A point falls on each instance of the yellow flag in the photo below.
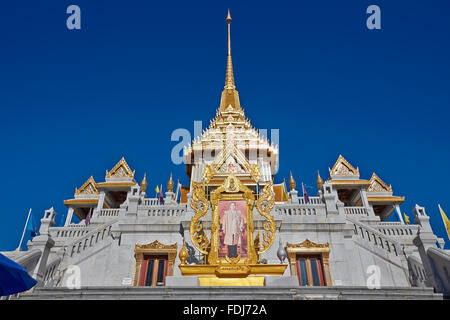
(157, 189)
(446, 221)
(406, 218)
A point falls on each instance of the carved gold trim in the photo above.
(386, 199)
(200, 205)
(360, 182)
(80, 201)
(378, 185)
(89, 187)
(309, 247)
(120, 170)
(343, 168)
(154, 248)
(115, 184)
(265, 203)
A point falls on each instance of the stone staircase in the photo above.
(231, 293)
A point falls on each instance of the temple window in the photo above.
(153, 270)
(154, 262)
(310, 270)
(309, 261)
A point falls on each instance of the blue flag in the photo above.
(31, 231)
(32, 226)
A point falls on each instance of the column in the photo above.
(69, 217)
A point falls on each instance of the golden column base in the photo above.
(239, 275)
(213, 281)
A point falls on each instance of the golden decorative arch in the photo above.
(154, 248)
(232, 189)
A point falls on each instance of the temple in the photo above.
(233, 233)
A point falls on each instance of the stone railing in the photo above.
(150, 202)
(375, 237)
(397, 229)
(357, 211)
(312, 200)
(416, 272)
(71, 231)
(109, 213)
(51, 272)
(298, 209)
(166, 210)
(90, 239)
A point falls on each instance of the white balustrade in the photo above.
(356, 211)
(375, 237)
(150, 202)
(109, 212)
(166, 211)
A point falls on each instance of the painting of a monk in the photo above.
(233, 229)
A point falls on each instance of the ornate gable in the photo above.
(378, 185)
(155, 245)
(230, 159)
(343, 168)
(88, 188)
(120, 170)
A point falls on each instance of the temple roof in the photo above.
(343, 168)
(378, 185)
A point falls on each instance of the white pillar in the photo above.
(69, 217)
(399, 213)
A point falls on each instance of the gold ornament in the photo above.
(319, 181)
(170, 184)
(144, 183)
(292, 183)
(183, 255)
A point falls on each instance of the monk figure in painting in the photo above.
(233, 225)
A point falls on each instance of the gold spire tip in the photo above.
(228, 19)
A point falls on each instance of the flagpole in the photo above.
(24, 229)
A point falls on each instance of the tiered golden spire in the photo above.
(229, 78)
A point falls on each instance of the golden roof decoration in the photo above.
(319, 181)
(307, 244)
(292, 183)
(144, 183)
(378, 185)
(170, 184)
(343, 168)
(155, 245)
(89, 187)
(120, 170)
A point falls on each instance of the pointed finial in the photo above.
(229, 17)
(170, 184)
(292, 183)
(183, 255)
(319, 181)
(144, 183)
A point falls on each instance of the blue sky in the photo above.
(75, 101)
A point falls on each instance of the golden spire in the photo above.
(229, 78)
(170, 184)
(229, 95)
(319, 181)
(144, 183)
(292, 183)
